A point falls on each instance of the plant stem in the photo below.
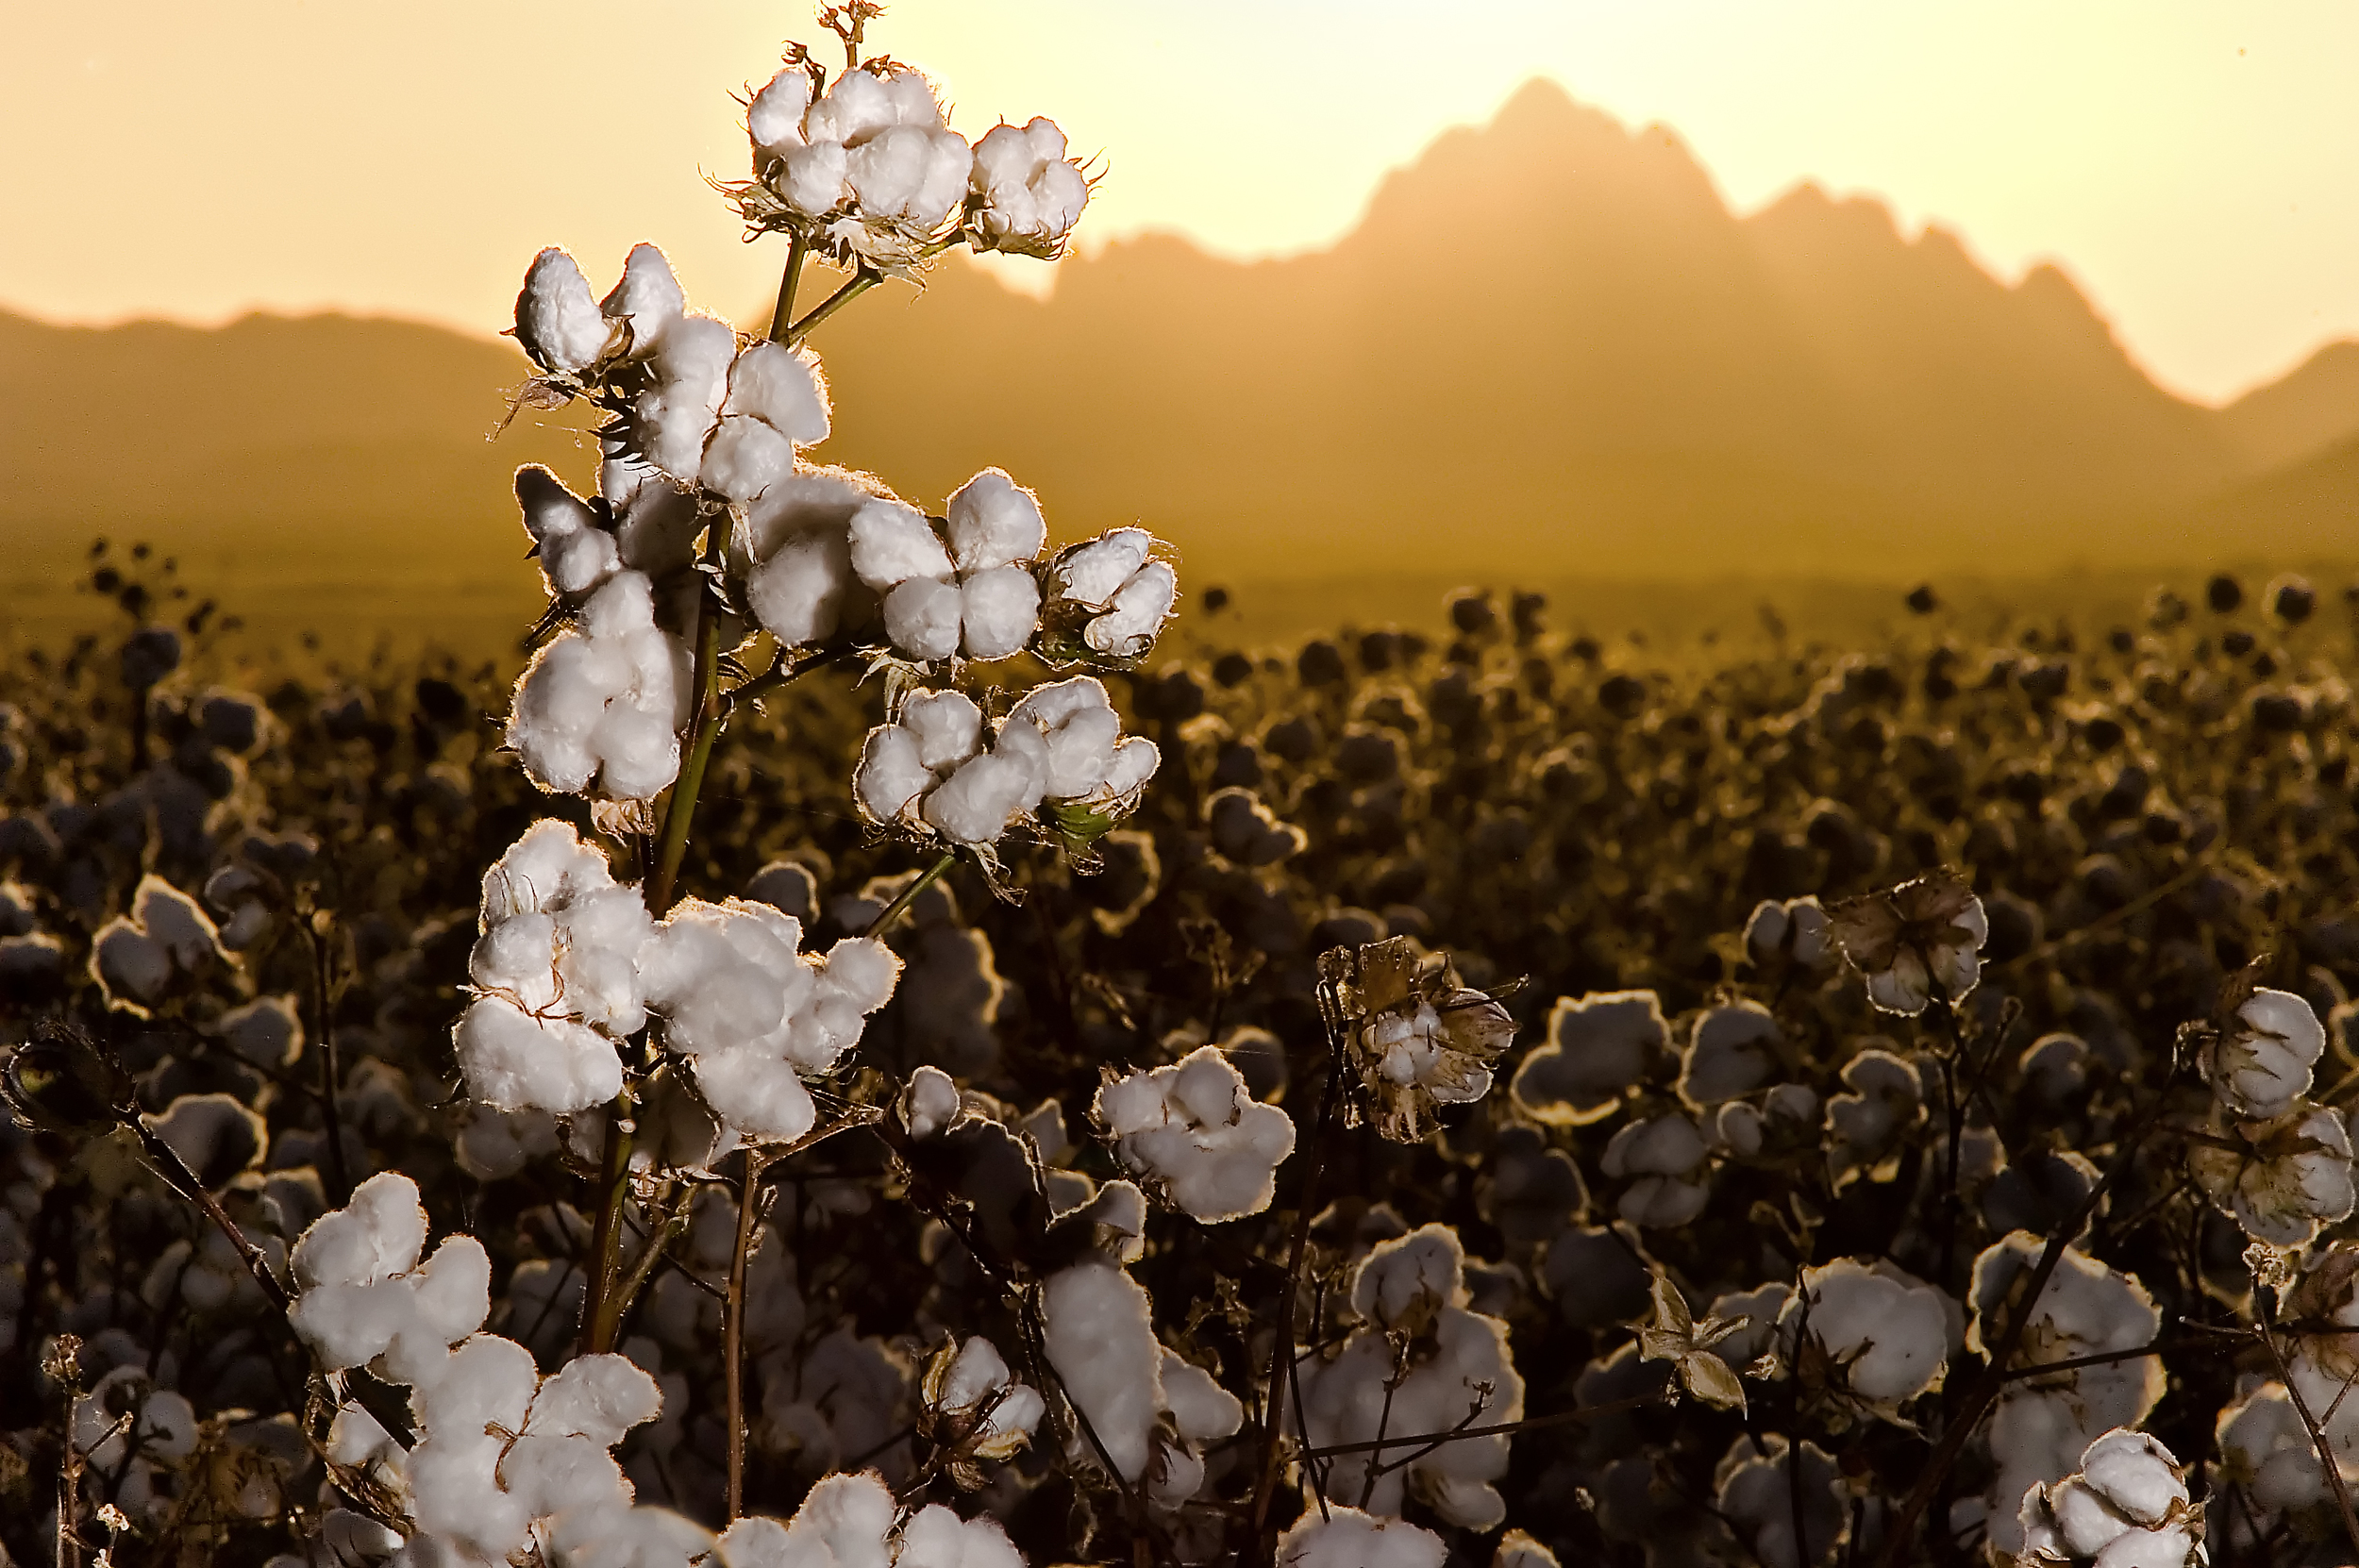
(1281, 1347)
(331, 1075)
(174, 1173)
(599, 1319)
(908, 895)
(734, 1327)
(860, 283)
(704, 729)
(782, 317)
(2309, 1421)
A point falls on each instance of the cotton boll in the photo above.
(947, 726)
(930, 1102)
(993, 521)
(514, 1060)
(1130, 768)
(1090, 574)
(798, 593)
(1136, 613)
(1343, 1537)
(975, 805)
(1101, 1341)
(1081, 726)
(745, 458)
(1598, 1047)
(857, 105)
(376, 1236)
(1760, 1496)
(1201, 1140)
(815, 180)
(1665, 1157)
(892, 543)
(2265, 1448)
(922, 617)
(557, 321)
(891, 776)
(2127, 1505)
(598, 1397)
(773, 121)
(844, 1523)
(648, 301)
(576, 554)
(2264, 1061)
(629, 1538)
(672, 420)
(1033, 195)
(605, 697)
(998, 612)
(783, 388)
(937, 1537)
(1731, 1050)
(1884, 1334)
(214, 1135)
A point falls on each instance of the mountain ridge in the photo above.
(1548, 347)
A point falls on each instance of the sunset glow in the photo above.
(2188, 164)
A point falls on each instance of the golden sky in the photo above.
(2194, 165)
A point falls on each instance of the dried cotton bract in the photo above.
(2286, 1178)
(1419, 1040)
(1197, 1136)
(1921, 935)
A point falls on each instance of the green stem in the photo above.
(908, 895)
(861, 283)
(782, 319)
(706, 729)
(600, 1314)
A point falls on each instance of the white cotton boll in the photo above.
(862, 972)
(1139, 609)
(1410, 1277)
(857, 103)
(922, 618)
(1201, 1410)
(1081, 726)
(941, 187)
(129, 964)
(844, 1523)
(514, 1060)
(1666, 1158)
(215, 1135)
(773, 121)
(1091, 573)
(994, 522)
(1340, 1537)
(1101, 1341)
(647, 300)
(2265, 1448)
(892, 773)
(757, 1095)
(892, 543)
(376, 1236)
(173, 919)
(672, 420)
(629, 1538)
(1134, 764)
(888, 171)
(814, 180)
(797, 594)
(576, 554)
(975, 804)
(1198, 1133)
(745, 458)
(937, 1537)
(1731, 1051)
(557, 320)
(782, 388)
(947, 725)
(929, 1104)
(600, 1397)
(2263, 1064)
(450, 1295)
(605, 697)
(1886, 1331)
(999, 609)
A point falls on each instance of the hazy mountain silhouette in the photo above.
(1548, 348)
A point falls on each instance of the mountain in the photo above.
(2300, 415)
(1549, 348)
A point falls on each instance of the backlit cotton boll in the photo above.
(776, 400)
(689, 374)
(1666, 1161)
(1109, 597)
(1032, 195)
(928, 774)
(980, 601)
(870, 169)
(557, 320)
(1600, 1047)
(1880, 1336)
(2262, 1062)
(753, 1013)
(605, 699)
(1339, 1536)
(1419, 1039)
(793, 548)
(361, 1293)
(646, 302)
(1193, 1134)
(575, 551)
(2285, 1179)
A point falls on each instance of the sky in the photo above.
(2194, 166)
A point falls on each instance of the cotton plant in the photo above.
(2043, 1423)
(2126, 1503)
(1419, 1360)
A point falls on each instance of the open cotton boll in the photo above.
(1666, 1158)
(922, 617)
(673, 419)
(1135, 614)
(937, 1537)
(813, 179)
(1032, 193)
(2127, 1506)
(892, 543)
(1731, 1051)
(1761, 1497)
(782, 388)
(2265, 1448)
(376, 1236)
(2263, 1062)
(517, 1060)
(978, 803)
(911, 173)
(2293, 1176)
(598, 1397)
(773, 121)
(559, 935)
(929, 1103)
(1197, 1135)
(845, 1522)
(1101, 1337)
(641, 1537)
(575, 553)
(1340, 1537)
(1080, 723)
(998, 612)
(557, 320)
(1599, 1046)
(647, 301)
(215, 1135)
(604, 700)
(1884, 1333)
(993, 521)
(792, 546)
(1091, 574)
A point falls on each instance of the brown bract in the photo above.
(1419, 1039)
